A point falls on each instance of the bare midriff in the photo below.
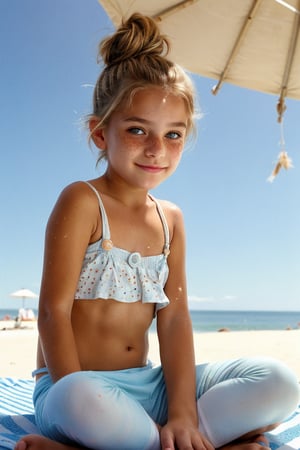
(110, 335)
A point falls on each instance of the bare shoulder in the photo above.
(77, 206)
(172, 211)
(78, 191)
(76, 198)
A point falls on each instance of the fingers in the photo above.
(184, 441)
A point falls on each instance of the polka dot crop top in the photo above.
(109, 272)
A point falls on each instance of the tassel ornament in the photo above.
(283, 161)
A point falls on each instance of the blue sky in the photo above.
(243, 242)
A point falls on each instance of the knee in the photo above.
(280, 387)
(77, 391)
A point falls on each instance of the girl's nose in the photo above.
(154, 147)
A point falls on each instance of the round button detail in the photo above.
(134, 259)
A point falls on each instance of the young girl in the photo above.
(115, 259)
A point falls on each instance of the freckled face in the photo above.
(144, 142)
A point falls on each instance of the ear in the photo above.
(97, 133)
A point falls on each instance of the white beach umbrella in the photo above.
(254, 44)
(23, 294)
(250, 43)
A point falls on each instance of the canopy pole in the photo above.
(281, 107)
(238, 42)
(173, 9)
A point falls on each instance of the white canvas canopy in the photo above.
(250, 43)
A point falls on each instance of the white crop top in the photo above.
(109, 272)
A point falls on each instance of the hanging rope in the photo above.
(281, 107)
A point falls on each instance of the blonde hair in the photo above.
(135, 58)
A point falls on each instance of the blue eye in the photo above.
(136, 130)
(173, 135)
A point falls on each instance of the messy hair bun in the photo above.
(136, 37)
(134, 58)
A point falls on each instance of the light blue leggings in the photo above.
(115, 410)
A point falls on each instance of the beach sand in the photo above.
(18, 347)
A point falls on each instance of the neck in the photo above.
(119, 190)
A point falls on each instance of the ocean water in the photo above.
(244, 320)
(205, 321)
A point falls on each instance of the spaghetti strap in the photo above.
(164, 224)
(105, 225)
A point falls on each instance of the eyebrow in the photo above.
(148, 122)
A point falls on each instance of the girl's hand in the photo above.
(180, 435)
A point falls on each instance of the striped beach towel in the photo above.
(16, 411)
(17, 418)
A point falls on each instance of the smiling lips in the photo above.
(151, 169)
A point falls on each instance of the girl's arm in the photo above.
(177, 352)
(68, 233)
